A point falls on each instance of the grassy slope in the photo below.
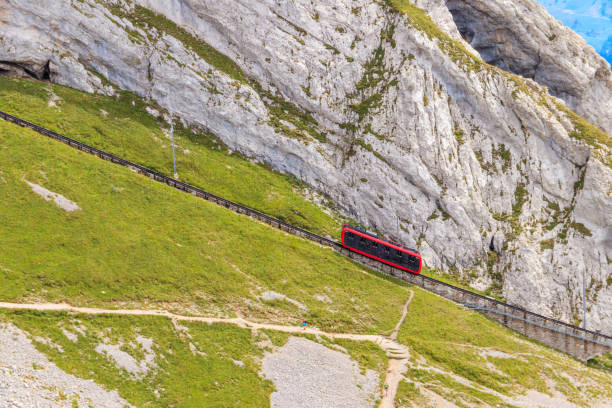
(138, 241)
(130, 132)
(457, 341)
(603, 362)
(207, 376)
(133, 134)
(122, 247)
(183, 378)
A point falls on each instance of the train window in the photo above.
(412, 262)
(406, 261)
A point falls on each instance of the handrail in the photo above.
(271, 220)
(487, 309)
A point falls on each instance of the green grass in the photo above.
(281, 111)
(136, 240)
(374, 73)
(367, 354)
(454, 339)
(182, 378)
(128, 131)
(408, 396)
(419, 19)
(145, 18)
(603, 362)
(547, 244)
(462, 395)
(208, 377)
(369, 148)
(581, 228)
(583, 130)
(433, 328)
(460, 283)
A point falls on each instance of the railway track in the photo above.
(582, 344)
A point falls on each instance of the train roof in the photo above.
(380, 238)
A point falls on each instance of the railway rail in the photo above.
(576, 341)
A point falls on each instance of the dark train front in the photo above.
(372, 246)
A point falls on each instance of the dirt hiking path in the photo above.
(398, 353)
(398, 361)
(401, 320)
(238, 321)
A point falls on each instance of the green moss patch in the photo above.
(419, 19)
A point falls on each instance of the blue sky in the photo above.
(592, 19)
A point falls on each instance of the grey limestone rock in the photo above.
(521, 37)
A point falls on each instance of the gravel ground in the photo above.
(310, 375)
(271, 295)
(59, 199)
(29, 380)
(126, 361)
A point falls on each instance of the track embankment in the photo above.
(578, 342)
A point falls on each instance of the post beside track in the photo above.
(576, 341)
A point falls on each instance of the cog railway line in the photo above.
(578, 342)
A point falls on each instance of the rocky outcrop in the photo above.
(521, 37)
(391, 116)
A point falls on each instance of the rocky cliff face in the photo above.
(391, 114)
(521, 37)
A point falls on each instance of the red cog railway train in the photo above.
(372, 246)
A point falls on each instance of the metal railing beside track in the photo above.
(486, 309)
(444, 289)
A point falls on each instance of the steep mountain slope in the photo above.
(113, 252)
(592, 19)
(131, 128)
(398, 122)
(521, 37)
(136, 242)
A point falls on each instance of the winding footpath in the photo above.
(398, 353)
(398, 360)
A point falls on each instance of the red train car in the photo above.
(370, 245)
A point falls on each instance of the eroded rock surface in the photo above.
(29, 379)
(521, 37)
(394, 120)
